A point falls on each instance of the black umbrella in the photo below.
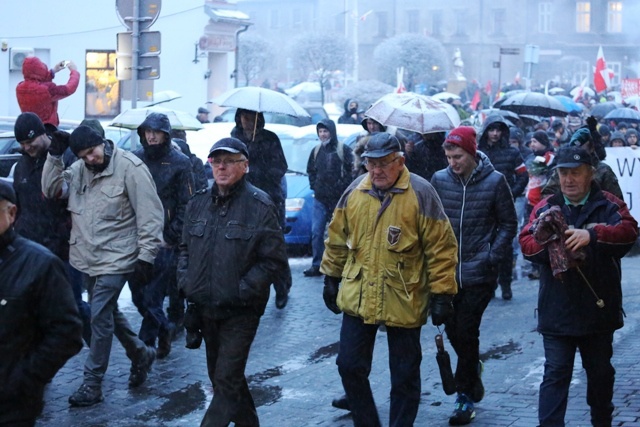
(623, 115)
(604, 108)
(505, 96)
(444, 365)
(534, 104)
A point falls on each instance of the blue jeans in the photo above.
(321, 216)
(149, 298)
(107, 321)
(559, 352)
(354, 364)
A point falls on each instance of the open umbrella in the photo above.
(535, 104)
(261, 100)
(602, 109)
(417, 113)
(623, 115)
(556, 91)
(506, 96)
(569, 103)
(133, 118)
(585, 91)
(444, 96)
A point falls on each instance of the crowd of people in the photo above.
(416, 225)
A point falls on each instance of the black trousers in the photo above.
(228, 342)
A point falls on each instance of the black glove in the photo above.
(441, 308)
(59, 142)
(330, 293)
(143, 272)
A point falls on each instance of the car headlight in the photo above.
(294, 205)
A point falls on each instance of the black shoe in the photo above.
(312, 271)
(193, 339)
(164, 341)
(341, 403)
(477, 392)
(506, 292)
(140, 368)
(86, 395)
(281, 301)
(463, 411)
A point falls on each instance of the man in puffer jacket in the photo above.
(494, 142)
(38, 94)
(171, 172)
(478, 203)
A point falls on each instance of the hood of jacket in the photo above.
(349, 101)
(259, 125)
(34, 69)
(184, 147)
(329, 124)
(504, 127)
(155, 121)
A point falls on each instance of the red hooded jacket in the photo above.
(38, 94)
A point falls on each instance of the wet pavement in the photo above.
(293, 376)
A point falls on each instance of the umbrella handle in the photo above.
(255, 126)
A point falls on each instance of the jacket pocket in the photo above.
(350, 293)
(111, 202)
(196, 228)
(236, 230)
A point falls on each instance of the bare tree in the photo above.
(319, 55)
(424, 60)
(254, 56)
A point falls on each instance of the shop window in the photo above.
(102, 88)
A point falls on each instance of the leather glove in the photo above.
(441, 308)
(330, 293)
(59, 143)
(143, 272)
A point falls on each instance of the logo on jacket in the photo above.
(393, 235)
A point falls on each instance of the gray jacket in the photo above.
(117, 216)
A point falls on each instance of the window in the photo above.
(461, 22)
(413, 21)
(102, 88)
(382, 24)
(275, 20)
(616, 67)
(296, 21)
(544, 17)
(614, 17)
(499, 21)
(583, 16)
(436, 23)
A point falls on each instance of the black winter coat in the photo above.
(329, 176)
(40, 328)
(483, 218)
(568, 307)
(267, 164)
(45, 221)
(200, 177)
(232, 250)
(505, 159)
(171, 172)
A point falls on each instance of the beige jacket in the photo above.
(117, 216)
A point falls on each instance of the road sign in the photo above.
(148, 43)
(148, 67)
(509, 51)
(148, 12)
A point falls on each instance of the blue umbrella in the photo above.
(570, 104)
(623, 115)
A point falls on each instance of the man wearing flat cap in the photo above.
(40, 328)
(477, 200)
(389, 258)
(232, 249)
(117, 220)
(203, 115)
(578, 236)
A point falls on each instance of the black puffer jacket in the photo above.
(232, 250)
(200, 178)
(483, 217)
(45, 221)
(329, 176)
(40, 328)
(267, 164)
(171, 172)
(505, 159)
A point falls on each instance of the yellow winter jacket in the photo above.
(391, 254)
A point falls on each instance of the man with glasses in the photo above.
(232, 249)
(390, 256)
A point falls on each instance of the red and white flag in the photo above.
(580, 90)
(400, 80)
(602, 75)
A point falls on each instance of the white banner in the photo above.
(625, 162)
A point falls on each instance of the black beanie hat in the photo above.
(95, 125)
(84, 137)
(542, 137)
(28, 126)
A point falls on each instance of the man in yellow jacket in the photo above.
(390, 256)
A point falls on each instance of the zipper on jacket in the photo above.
(464, 199)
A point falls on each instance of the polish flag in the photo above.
(601, 76)
(580, 91)
(400, 80)
(516, 79)
(475, 100)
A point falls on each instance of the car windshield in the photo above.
(8, 144)
(297, 152)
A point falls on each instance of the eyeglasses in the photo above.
(371, 165)
(226, 162)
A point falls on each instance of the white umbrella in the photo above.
(133, 118)
(444, 96)
(585, 90)
(261, 100)
(556, 90)
(164, 96)
(417, 113)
